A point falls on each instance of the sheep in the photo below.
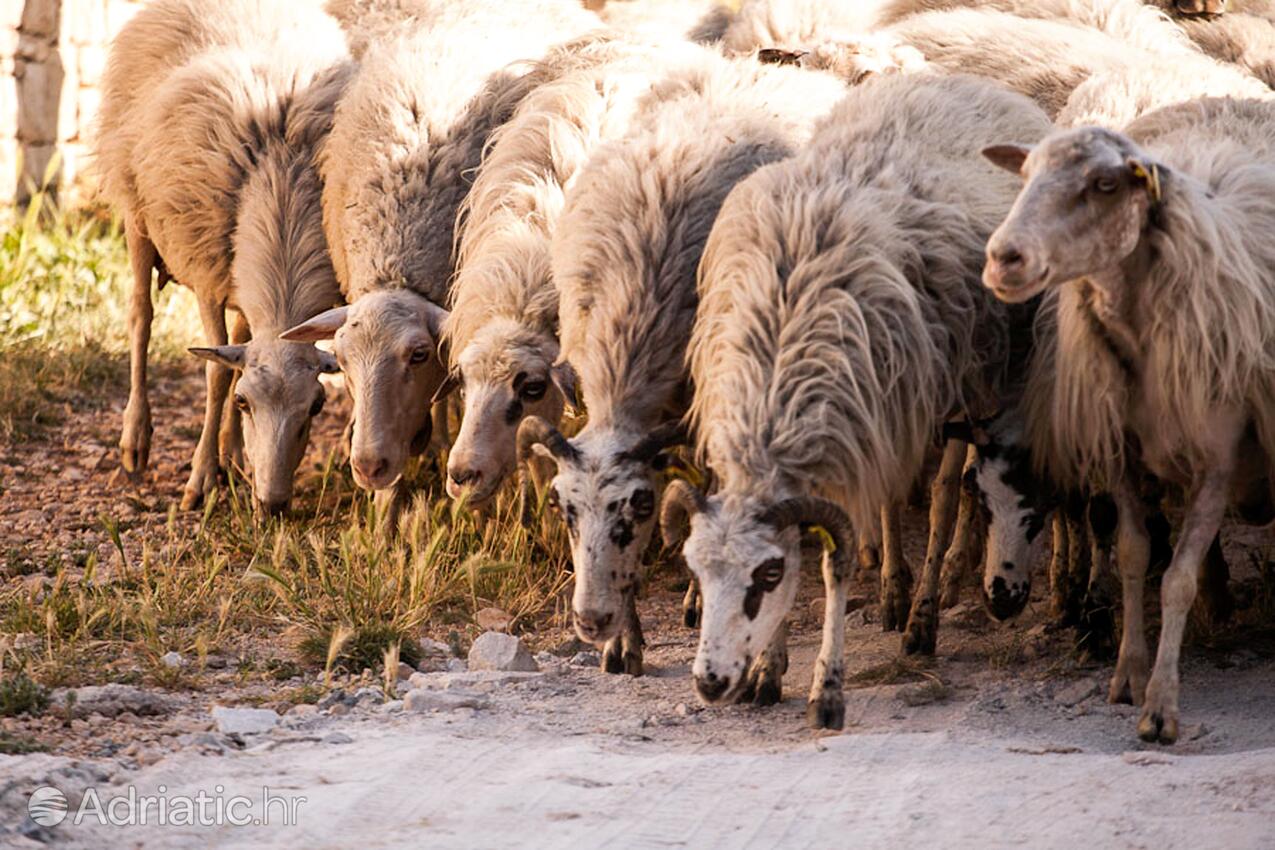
(624, 257)
(840, 323)
(699, 21)
(1154, 243)
(1043, 59)
(502, 332)
(205, 143)
(367, 22)
(405, 141)
(1247, 40)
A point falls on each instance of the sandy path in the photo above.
(575, 758)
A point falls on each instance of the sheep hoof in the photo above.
(690, 618)
(921, 635)
(1157, 727)
(613, 657)
(827, 711)
(692, 607)
(135, 443)
(769, 691)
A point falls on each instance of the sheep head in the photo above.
(1089, 196)
(278, 394)
(507, 373)
(386, 343)
(605, 490)
(745, 552)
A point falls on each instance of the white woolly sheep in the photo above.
(208, 128)
(624, 258)
(502, 333)
(841, 322)
(1156, 244)
(406, 139)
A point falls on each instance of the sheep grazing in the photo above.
(207, 134)
(1156, 246)
(841, 322)
(625, 254)
(405, 142)
(502, 333)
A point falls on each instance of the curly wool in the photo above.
(842, 315)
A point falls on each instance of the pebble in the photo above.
(339, 709)
(404, 671)
(496, 651)
(431, 647)
(172, 660)
(113, 700)
(585, 659)
(456, 665)
(337, 738)
(303, 709)
(244, 721)
(426, 700)
(391, 707)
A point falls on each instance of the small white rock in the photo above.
(392, 707)
(244, 721)
(496, 651)
(172, 660)
(404, 671)
(425, 700)
(456, 665)
(337, 738)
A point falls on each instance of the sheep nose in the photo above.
(591, 624)
(1005, 256)
(463, 477)
(370, 468)
(271, 507)
(712, 687)
(1004, 602)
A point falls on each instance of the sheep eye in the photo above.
(420, 354)
(643, 502)
(1105, 185)
(533, 390)
(770, 573)
(241, 402)
(316, 407)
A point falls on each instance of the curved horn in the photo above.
(682, 500)
(536, 431)
(806, 511)
(668, 434)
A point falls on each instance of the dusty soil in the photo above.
(1003, 740)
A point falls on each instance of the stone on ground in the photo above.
(496, 651)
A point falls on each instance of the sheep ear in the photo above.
(435, 316)
(323, 326)
(328, 364)
(1008, 157)
(227, 355)
(564, 378)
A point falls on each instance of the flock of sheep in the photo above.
(811, 239)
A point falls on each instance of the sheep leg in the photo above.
(765, 684)
(826, 708)
(921, 634)
(1058, 565)
(204, 471)
(1215, 590)
(1097, 622)
(1076, 575)
(966, 550)
(623, 653)
(692, 605)
(231, 441)
(1159, 720)
(135, 440)
(896, 578)
(1133, 551)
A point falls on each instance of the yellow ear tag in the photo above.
(829, 545)
(1152, 179)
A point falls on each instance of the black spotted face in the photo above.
(1016, 508)
(748, 575)
(608, 505)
